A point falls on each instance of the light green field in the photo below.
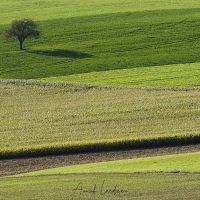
(141, 186)
(56, 9)
(188, 162)
(111, 180)
(170, 75)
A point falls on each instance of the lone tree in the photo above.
(22, 29)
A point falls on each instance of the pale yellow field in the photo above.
(33, 114)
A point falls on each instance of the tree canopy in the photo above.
(22, 29)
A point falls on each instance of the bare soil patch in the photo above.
(21, 165)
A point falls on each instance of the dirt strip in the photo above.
(16, 166)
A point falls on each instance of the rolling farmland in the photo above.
(104, 75)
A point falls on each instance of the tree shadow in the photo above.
(61, 53)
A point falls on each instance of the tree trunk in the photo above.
(21, 44)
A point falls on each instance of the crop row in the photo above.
(107, 145)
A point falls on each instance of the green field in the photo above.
(169, 163)
(168, 75)
(111, 180)
(112, 35)
(129, 186)
(56, 9)
(105, 75)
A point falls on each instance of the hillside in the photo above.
(101, 100)
(105, 36)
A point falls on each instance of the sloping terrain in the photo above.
(21, 165)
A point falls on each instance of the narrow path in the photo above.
(16, 166)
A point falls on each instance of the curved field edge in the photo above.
(107, 145)
(38, 10)
(168, 75)
(184, 163)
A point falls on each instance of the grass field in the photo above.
(169, 163)
(81, 186)
(113, 35)
(111, 180)
(54, 9)
(168, 75)
(151, 46)
(43, 10)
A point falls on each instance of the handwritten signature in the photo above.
(80, 190)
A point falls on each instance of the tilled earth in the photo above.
(21, 165)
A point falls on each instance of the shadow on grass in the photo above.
(62, 53)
